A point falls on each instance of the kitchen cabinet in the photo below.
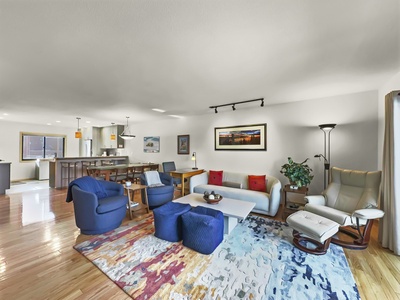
(107, 142)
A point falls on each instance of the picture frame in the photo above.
(151, 144)
(183, 144)
(241, 138)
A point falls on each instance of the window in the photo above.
(34, 146)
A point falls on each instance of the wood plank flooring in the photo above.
(37, 261)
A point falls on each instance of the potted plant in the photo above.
(299, 174)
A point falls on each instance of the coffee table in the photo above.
(233, 210)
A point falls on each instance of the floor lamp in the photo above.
(326, 128)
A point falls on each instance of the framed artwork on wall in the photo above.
(183, 144)
(151, 144)
(241, 137)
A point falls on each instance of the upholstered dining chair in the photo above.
(169, 166)
(351, 200)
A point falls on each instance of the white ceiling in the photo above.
(105, 60)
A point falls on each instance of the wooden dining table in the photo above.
(106, 171)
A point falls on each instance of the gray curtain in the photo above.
(389, 226)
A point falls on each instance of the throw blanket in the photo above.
(153, 178)
(88, 184)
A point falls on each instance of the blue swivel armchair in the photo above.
(159, 195)
(99, 205)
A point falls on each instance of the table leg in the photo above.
(146, 200)
(183, 185)
(129, 204)
(229, 224)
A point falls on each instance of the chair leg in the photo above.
(361, 239)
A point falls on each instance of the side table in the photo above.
(290, 207)
(132, 205)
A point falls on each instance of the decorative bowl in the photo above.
(212, 201)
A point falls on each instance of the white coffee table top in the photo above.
(229, 207)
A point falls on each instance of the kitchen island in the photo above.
(76, 167)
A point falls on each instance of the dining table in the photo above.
(107, 170)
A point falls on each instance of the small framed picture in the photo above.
(151, 144)
(183, 144)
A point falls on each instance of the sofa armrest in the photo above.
(197, 180)
(275, 197)
(368, 213)
(315, 199)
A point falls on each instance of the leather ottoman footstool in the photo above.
(309, 227)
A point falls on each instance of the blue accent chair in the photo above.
(168, 222)
(99, 205)
(159, 195)
(202, 229)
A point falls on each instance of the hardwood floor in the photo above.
(37, 261)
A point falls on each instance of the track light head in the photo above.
(233, 107)
(215, 110)
(262, 103)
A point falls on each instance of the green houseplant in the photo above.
(299, 174)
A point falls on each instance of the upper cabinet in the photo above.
(110, 137)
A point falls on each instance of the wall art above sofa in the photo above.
(241, 137)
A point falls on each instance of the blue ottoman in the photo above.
(167, 221)
(203, 229)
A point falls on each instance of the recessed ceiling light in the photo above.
(87, 122)
(158, 110)
(5, 114)
(58, 121)
(175, 116)
(48, 123)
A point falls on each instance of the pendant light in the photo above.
(78, 132)
(112, 137)
(126, 134)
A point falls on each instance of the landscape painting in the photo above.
(242, 137)
(151, 144)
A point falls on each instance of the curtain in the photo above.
(389, 226)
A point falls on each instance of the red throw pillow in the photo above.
(257, 183)
(215, 177)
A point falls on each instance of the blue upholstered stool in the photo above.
(167, 221)
(203, 229)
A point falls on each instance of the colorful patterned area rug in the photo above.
(256, 261)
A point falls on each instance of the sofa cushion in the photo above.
(257, 183)
(236, 185)
(215, 177)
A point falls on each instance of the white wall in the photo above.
(10, 145)
(292, 130)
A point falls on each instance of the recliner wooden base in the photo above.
(361, 239)
(321, 248)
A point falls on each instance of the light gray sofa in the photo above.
(235, 186)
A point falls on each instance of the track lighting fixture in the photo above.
(233, 104)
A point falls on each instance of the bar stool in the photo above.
(85, 164)
(68, 166)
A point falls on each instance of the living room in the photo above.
(313, 63)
